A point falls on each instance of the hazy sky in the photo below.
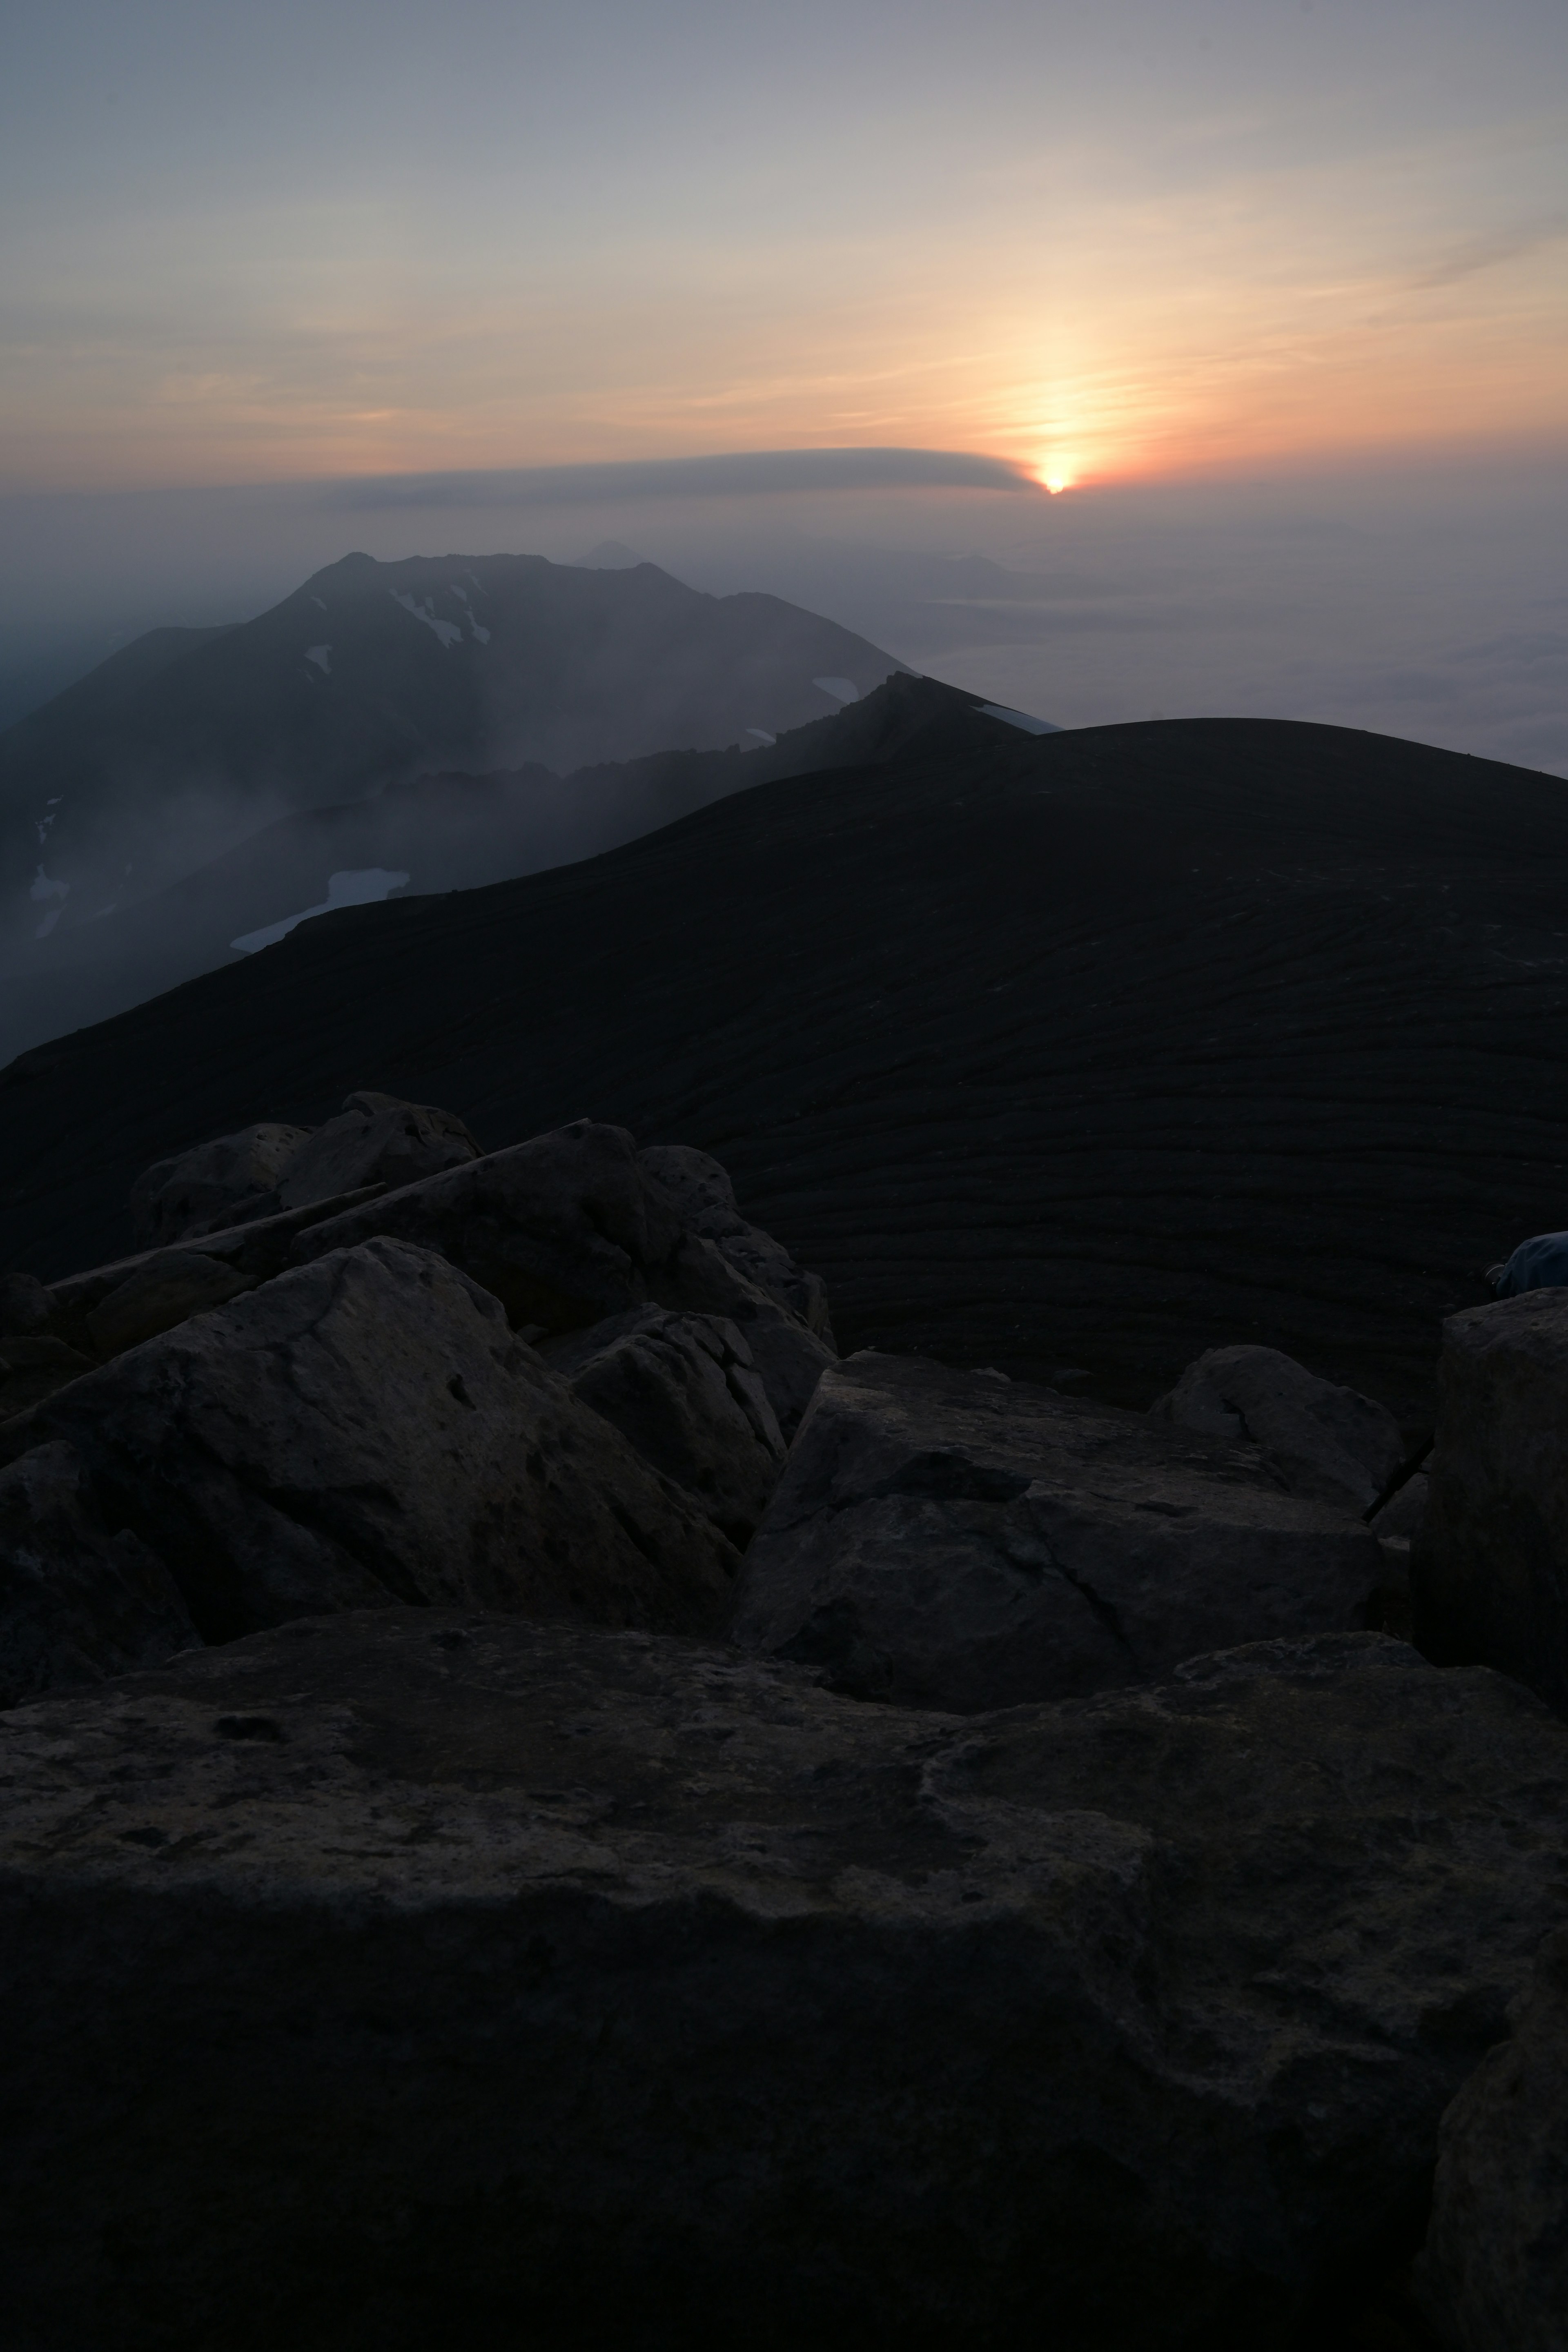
(1105, 239)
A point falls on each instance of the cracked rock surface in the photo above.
(940, 1538)
(420, 1977)
(366, 1430)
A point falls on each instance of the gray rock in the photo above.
(32, 1370)
(790, 1359)
(562, 1229)
(366, 1430)
(422, 1978)
(940, 1539)
(255, 1250)
(77, 1603)
(376, 1139)
(685, 1391)
(705, 1198)
(1490, 1563)
(1494, 2275)
(568, 1229)
(23, 1306)
(1401, 1517)
(1328, 1444)
(163, 1291)
(210, 1184)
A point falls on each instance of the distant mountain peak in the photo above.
(610, 555)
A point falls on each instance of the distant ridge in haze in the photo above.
(371, 674)
(449, 832)
(1091, 1049)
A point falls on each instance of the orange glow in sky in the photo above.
(1108, 242)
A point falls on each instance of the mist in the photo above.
(1417, 603)
(1423, 600)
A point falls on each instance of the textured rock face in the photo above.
(1327, 1443)
(684, 1390)
(1494, 2277)
(569, 1229)
(943, 1539)
(205, 1187)
(154, 1296)
(375, 1139)
(397, 1980)
(367, 1429)
(702, 1192)
(78, 1602)
(562, 1229)
(1489, 1562)
(32, 1370)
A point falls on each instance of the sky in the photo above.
(1105, 240)
(1271, 294)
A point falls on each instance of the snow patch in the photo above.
(43, 889)
(761, 735)
(365, 885)
(1020, 718)
(842, 689)
(481, 634)
(322, 657)
(448, 631)
(48, 925)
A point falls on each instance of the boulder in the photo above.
(1490, 1563)
(685, 1391)
(424, 1977)
(945, 1539)
(375, 1139)
(365, 1429)
(211, 1184)
(569, 1229)
(790, 1359)
(1494, 2275)
(23, 1306)
(1327, 1443)
(563, 1229)
(32, 1370)
(155, 1296)
(702, 1192)
(77, 1603)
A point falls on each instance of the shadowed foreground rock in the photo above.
(1327, 1443)
(955, 1539)
(410, 1978)
(1494, 2277)
(366, 1430)
(77, 1603)
(1489, 1560)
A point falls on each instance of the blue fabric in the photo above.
(1538, 1265)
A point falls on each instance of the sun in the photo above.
(1056, 473)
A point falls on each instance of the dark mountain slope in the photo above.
(443, 833)
(1096, 1049)
(375, 672)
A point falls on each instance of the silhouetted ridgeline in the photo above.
(1087, 1051)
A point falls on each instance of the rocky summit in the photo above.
(424, 1976)
(546, 1806)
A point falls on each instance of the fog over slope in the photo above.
(372, 674)
(433, 834)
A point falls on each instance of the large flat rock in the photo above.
(421, 1978)
(955, 1539)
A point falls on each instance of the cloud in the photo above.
(744, 472)
(1491, 252)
